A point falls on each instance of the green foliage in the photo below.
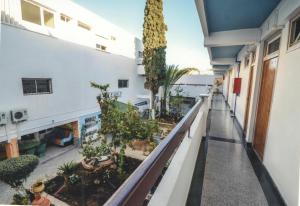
(122, 125)
(155, 44)
(176, 103)
(28, 144)
(89, 150)
(173, 74)
(20, 199)
(121, 161)
(15, 171)
(67, 168)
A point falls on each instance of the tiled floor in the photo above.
(228, 177)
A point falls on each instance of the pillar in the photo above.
(12, 149)
(76, 134)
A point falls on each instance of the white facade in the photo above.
(194, 85)
(68, 56)
(282, 149)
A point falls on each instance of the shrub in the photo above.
(15, 171)
(68, 168)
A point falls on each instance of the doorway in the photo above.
(266, 95)
(248, 100)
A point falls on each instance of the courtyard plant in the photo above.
(15, 171)
(172, 75)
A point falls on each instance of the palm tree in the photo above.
(173, 74)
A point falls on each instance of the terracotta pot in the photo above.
(38, 187)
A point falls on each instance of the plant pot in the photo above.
(38, 187)
(30, 151)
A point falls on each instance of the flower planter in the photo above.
(38, 187)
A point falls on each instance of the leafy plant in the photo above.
(155, 44)
(20, 199)
(67, 168)
(15, 171)
(176, 103)
(173, 74)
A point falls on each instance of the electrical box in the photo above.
(237, 86)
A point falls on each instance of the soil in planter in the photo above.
(91, 193)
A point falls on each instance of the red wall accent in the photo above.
(237, 85)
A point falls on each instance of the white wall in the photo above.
(125, 44)
(194, 85)
(282, 149)
(26, 54)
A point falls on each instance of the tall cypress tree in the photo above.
(155, 44)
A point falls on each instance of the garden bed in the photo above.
(92, 189)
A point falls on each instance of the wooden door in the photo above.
(248, 99)
(264, 105)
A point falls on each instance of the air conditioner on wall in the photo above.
(3, 118)
(19, 115)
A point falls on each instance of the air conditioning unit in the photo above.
(19, 115)
(3, 118)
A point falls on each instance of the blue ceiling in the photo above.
(225, 51)
(223, 15)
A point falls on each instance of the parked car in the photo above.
(61, 136)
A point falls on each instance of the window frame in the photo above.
(101, 47)
(266, 50)
(65, 17)
(43, 10)
(84, 26)
(122, 85)
(36, 86)
(41, 20)
(296, 42)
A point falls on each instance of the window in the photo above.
(273, 46)
(122, 83)
(84, 26)
(101, 47)
(295, 31)
(65, 18)
(30, 12)
(48, 19)
(140, 54)
(37, 86)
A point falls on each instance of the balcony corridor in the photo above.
(224, 173)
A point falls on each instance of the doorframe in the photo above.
(258, 81)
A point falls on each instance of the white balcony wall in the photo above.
(26, 54)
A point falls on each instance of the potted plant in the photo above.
(38, 187)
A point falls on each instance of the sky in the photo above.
(185, 38)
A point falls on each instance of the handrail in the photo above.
(135, 189)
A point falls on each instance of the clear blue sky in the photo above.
(184, 36)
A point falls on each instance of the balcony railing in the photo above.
(182, 145)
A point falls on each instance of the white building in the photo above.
(50, 52)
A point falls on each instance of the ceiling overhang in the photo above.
(230, 25)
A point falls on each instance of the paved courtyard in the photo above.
(47, 168)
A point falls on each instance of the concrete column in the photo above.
(12, 148)
(76, 133)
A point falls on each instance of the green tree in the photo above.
(155, 44)
(173, 74)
